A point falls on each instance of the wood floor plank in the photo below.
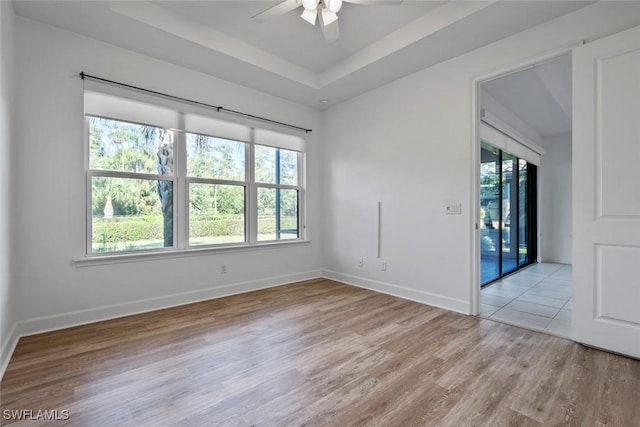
(316, 353)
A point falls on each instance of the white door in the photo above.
(606, 193)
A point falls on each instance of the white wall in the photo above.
(514, 126)
(555, 208)
(7, 132)
(408, 144)
(48, 172)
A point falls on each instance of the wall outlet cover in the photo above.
(453, 209)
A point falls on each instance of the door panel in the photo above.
(606, 193)
(617, 114)
(616, 297)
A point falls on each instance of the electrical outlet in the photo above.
(360, 262)
(223, 268)
(383, 266)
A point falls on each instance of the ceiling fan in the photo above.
(325, 11)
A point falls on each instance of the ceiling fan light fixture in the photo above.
(333, 5)
(310, 16)
(328, 17)
(310, 4)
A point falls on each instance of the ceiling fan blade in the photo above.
(330, 32)
(375, 2)
(277, 10)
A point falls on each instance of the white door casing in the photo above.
(606, 193)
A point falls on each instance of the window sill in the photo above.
(92, 260)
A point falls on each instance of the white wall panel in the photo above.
(408, 145)
(555, 207)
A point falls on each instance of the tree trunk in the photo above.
(165, 188)
(165, 191)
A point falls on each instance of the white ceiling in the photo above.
(540, 96)
(295, 40)
(288, 57)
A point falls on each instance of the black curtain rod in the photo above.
(215, 107)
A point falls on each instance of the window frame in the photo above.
(91, 173)
(181, 182)
(213, 181)
(276, 186)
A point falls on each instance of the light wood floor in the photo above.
(317, 353)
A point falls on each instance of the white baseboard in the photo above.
(81, 317)
(8, 346)
(448, 303)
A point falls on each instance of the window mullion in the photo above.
(213, 181)
(181, 189)
(130, 175)
(89, 215)
(88, 241)
(280, 186)
(302, 226)
(277, 195)
(251, 202)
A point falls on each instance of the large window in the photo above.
(182, 180)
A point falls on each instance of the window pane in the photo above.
(128, 147)
(265, 164)
(288, 167)
(523, 212)
(276, 165)
(216, 214)
(131, 214)
(215, 158)
(489, 214)
(509, 220)
(277, 214)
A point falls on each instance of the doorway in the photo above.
(524, 197)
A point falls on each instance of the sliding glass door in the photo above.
(507, 213)
(508, 221)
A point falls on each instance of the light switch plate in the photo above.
(453, 209)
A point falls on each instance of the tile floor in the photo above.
(538, 298)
